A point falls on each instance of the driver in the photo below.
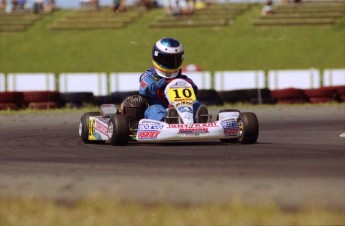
(167, 58)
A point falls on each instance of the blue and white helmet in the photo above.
(167, 57)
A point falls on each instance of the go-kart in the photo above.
(127, 124)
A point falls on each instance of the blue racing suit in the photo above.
(150, 87)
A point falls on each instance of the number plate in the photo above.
(181, 94)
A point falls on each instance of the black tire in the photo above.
(229, 140)
(288, 93)
(243, 95)
(12, 97)
(209, 97)
(264, 100)
(234, 96)
(118, 97)
(42, 96)
(249, 125)
(9, 106)
(78, 99)
(99, 100)
(118, 130)
(84, 126)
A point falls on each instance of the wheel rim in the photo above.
(240, 126)
(110, 130)
(80, 128)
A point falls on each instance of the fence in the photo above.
(232, 80)
(303, 79)
(103, 84)
(83, 82)
(333, 77)
(31, 81)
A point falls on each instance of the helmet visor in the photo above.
(169, 61)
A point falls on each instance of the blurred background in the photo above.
(236, 51)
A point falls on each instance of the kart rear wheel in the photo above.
(84, 126)
(118, 130)
(229, 140)
(249, 127)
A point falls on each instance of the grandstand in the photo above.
(18, 21)
(241, 46)
(308, 13)
(101, 19)
(210, 16)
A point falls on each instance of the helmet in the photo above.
(167, 57)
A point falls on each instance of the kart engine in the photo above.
(133, 107)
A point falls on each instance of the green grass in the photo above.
(111, 212)
(241, 46)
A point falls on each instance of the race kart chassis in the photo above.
(118, 128)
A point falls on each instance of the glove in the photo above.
(161, 84)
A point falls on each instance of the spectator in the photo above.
(50, 5)
(21, 4)
(148, 4)
(38, 6)
(200, 4)
(3, 5)
(95, 4)
(210, 2)
(116, 5)
(85, 4)
(119, 6)
(267, 9)
(180, 7)
(14, 4)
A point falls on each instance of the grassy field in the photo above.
(100, 211)
(240, 46)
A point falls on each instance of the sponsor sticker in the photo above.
(196, 125)
(150, 127)
(179, 84)
(184, 103)
(194, 131)
(230, 132)
(101, 128)
(181, 94)
(229, 124)
(148, 135)
(143, 84)
(185, 109)
(92, 128)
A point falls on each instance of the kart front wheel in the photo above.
(118, 130)
(249, 127)
(84, 126)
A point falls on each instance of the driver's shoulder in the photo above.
(150, 75)
(182, 76)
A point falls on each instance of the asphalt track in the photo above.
(299, 160)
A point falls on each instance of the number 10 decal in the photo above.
(181, 94)
(185, 93)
